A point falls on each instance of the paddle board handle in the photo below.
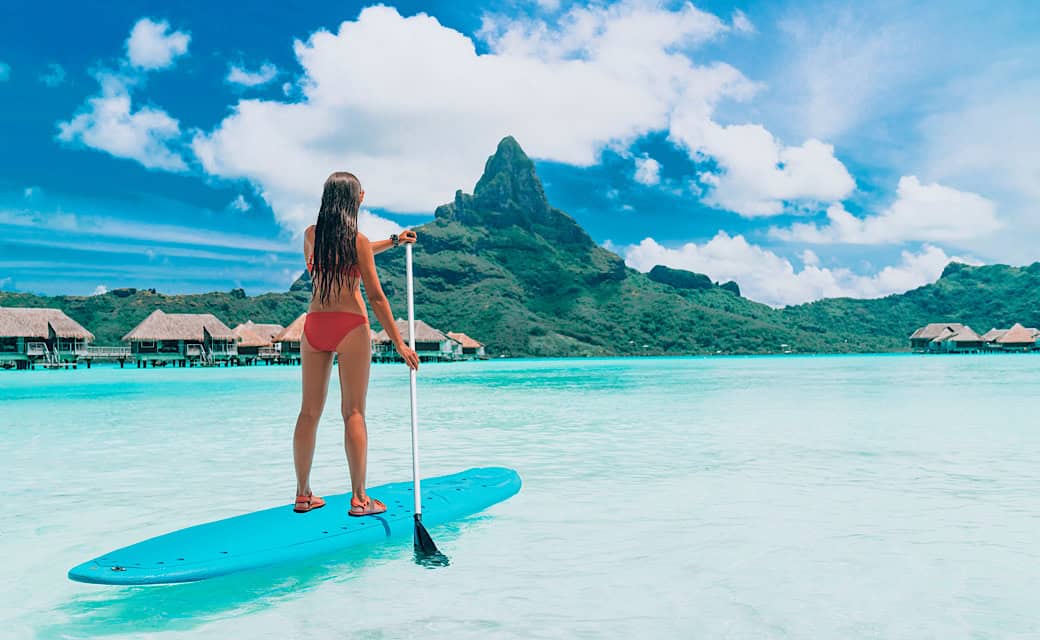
(411, 377)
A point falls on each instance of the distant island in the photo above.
(504, 265)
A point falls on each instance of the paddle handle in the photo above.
(411, 377)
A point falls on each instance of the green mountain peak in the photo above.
(509, 193)
(509, 182)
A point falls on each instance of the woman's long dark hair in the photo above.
(335, 236)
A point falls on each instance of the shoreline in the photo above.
(727, 356)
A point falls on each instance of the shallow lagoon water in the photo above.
(768, 497)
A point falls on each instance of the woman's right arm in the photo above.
(379, 302)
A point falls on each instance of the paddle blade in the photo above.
(426, 553)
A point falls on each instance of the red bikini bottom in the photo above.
(326, 329)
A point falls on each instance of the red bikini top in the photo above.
(354, 269)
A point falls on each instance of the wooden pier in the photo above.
(106, 354)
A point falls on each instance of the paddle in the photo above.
(426, 552)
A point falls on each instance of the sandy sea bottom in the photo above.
(776, 497)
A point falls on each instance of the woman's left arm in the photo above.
(405, 237)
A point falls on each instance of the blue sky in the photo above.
(804, 149)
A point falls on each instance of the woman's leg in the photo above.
(317, 367)
(355, 359)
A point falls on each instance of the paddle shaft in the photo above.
(411, 375)
(426, 552)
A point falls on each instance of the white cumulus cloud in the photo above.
(921, 212)
(767, 277)
(376, 227)
(757, 173)
(108, 122)
(241, 76)
(100, 290)
(152, 45)
(648, 171)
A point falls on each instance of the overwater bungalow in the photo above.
(470, 347)
(288, 340)
(40, 335)
(430, 344)
(256, 341)
(924, 339)
(1019, 338)
(990, 337)
(181, 338)
(264, 330)
(963, 341)
(251, 343)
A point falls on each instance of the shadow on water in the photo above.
(182, 607)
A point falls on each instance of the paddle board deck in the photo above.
(277, 535)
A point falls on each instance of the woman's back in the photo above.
(344, 295)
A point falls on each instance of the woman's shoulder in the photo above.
(309, 231)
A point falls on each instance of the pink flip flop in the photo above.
(306, 503)
(369, 507)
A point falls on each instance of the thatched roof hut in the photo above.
(934, 330)
(993, 335)
(248, 337)
(292, 333)
(179, 326)
(25, 322)
(264, 330)
(1018, 336)
(466, 341)
(966, 336)
(423, 332)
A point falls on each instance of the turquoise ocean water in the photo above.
(773, 497)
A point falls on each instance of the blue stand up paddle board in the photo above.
(277, 535)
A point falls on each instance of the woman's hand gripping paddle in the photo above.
(426, 552)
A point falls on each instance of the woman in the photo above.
(338, 256)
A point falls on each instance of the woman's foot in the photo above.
(305, 503)
(368, 506)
